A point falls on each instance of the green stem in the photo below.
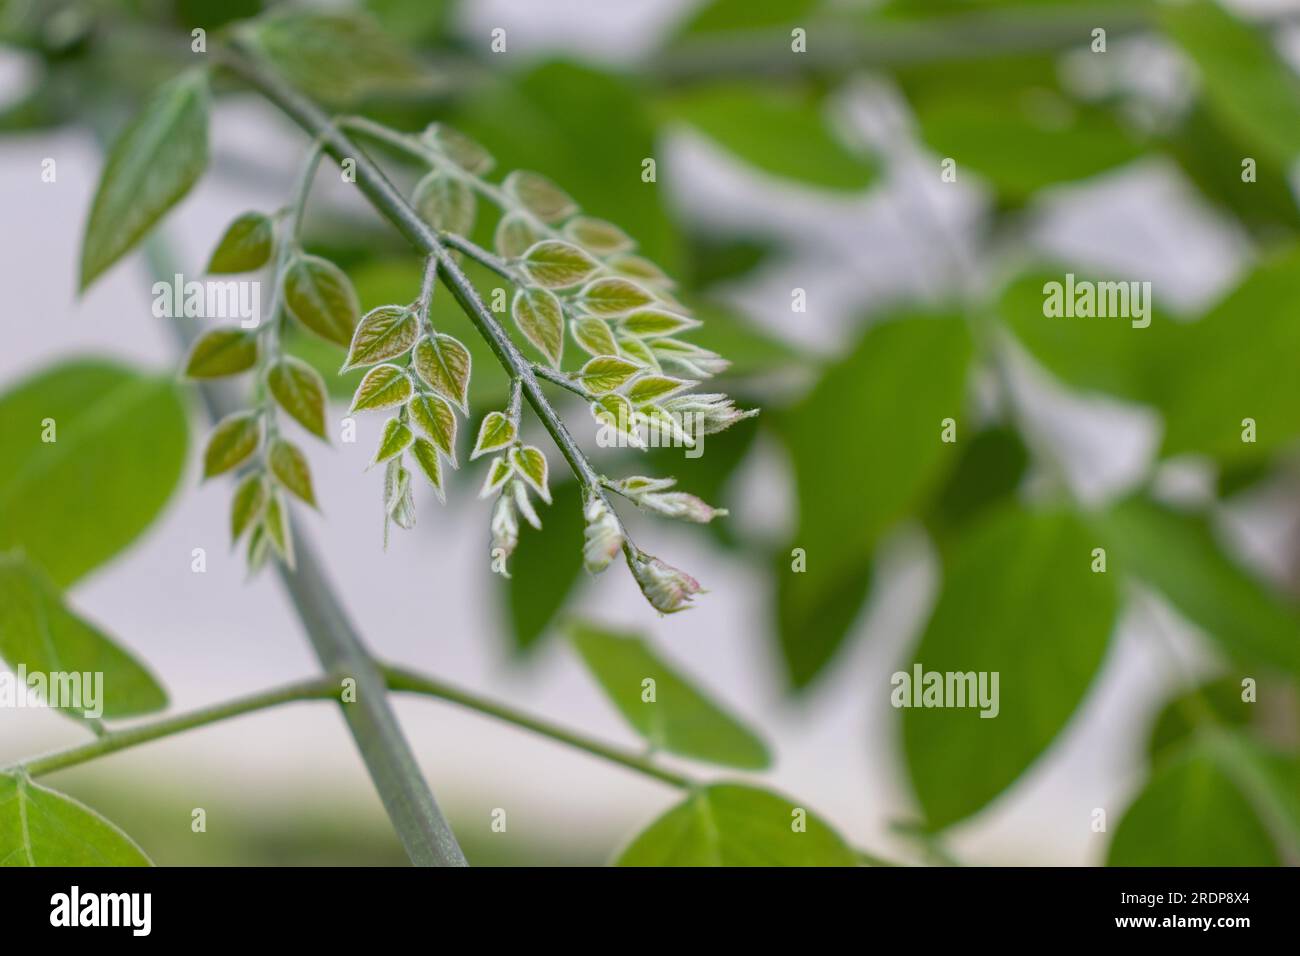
(400, 679)
(559, 378)
(320, 688)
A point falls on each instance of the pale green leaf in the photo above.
(275, 524)
(459, 148)
(515, 235)
(383, 387)
(495, 432)
(434, 417)
(150, 168)
(247, 504)
(545, 200)
(594, 336)
(446, 202)
(92, 452)
(652, 388)
(731, 824)
(540, 317)
(426, 457)
(231, 443)
(290, 468)
(553, 264)
(604, 373)
(530, 464)
(396, 438)
(41, 827)
(444, 364)
(382, 334)
(654, 323)
(597, 236)
(613, 296)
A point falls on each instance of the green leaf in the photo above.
(743, 16)
(1246, 84)
(426, 456)
(604, 373)
(222, 352)
(1218, 703)
(613, 296)
(300, 391)
(444, 364)
(119, 447)
(435, 418)
(445, 202)
(560, 117)
(496, 431)
(530, 464)
(319, 295)
(246, 506)
(679, 718)
(1018, 599)
(150, 168)
(1180, 556)
(383, 387)
(395, 439)
(553, 264)
(1194, 811)
(863, 461)
(290, 468)
(1233, 364)
(545, 200)
(336, 57)
(246, 245)
(652, 388)
(232, 442)
(654, 323)
(275, 526)
(545, 570)
(383, 333)
(731, 824)
(778, 130)
(40, 633)
(515, 235)
(594, 336)
(990, 469)
(41, 827)
(598, 236)
(540, 317)
(459, 148)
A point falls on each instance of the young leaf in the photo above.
(680, 718)
(604, 373)
(445, 202)
(300, 391)
(654, 323)
(514, 236)
(383, 333)
(231, 443)
(42, 827)
(395, 439)
(530, 463)
(319, 295)
(601, 237)
(246, 505)
(641, 269)
(540, 317)
(40, 633)
(246, 245)
(731, 824)
(637, 351)
(444, 364)
(222, 352)
(276, 525)
(495, 432)
(613, 296)
(497, 473)
(594, 336)
(435, 418)
(653, 388)
(383, 387)
(459, 148)
(289, 466)
(545, 200)
(259, 547)
(615, 411)
(1020, 597)
(426, 456)
(150, 167)
(553, 264)
(131, 427)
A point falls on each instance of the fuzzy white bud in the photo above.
(602, 537)
(668, 589)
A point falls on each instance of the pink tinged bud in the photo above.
(666, 588)
(602, 538)
(679, 504)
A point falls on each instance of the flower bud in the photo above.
(505, 533)
(602, 537)
(679, 504)
(666, 588)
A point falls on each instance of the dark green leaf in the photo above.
(1018, 599)
(544, 570)
(680, 718)
(222, 352)
(299, 390)
(246, 245)
(231, 443)
(319, 295)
